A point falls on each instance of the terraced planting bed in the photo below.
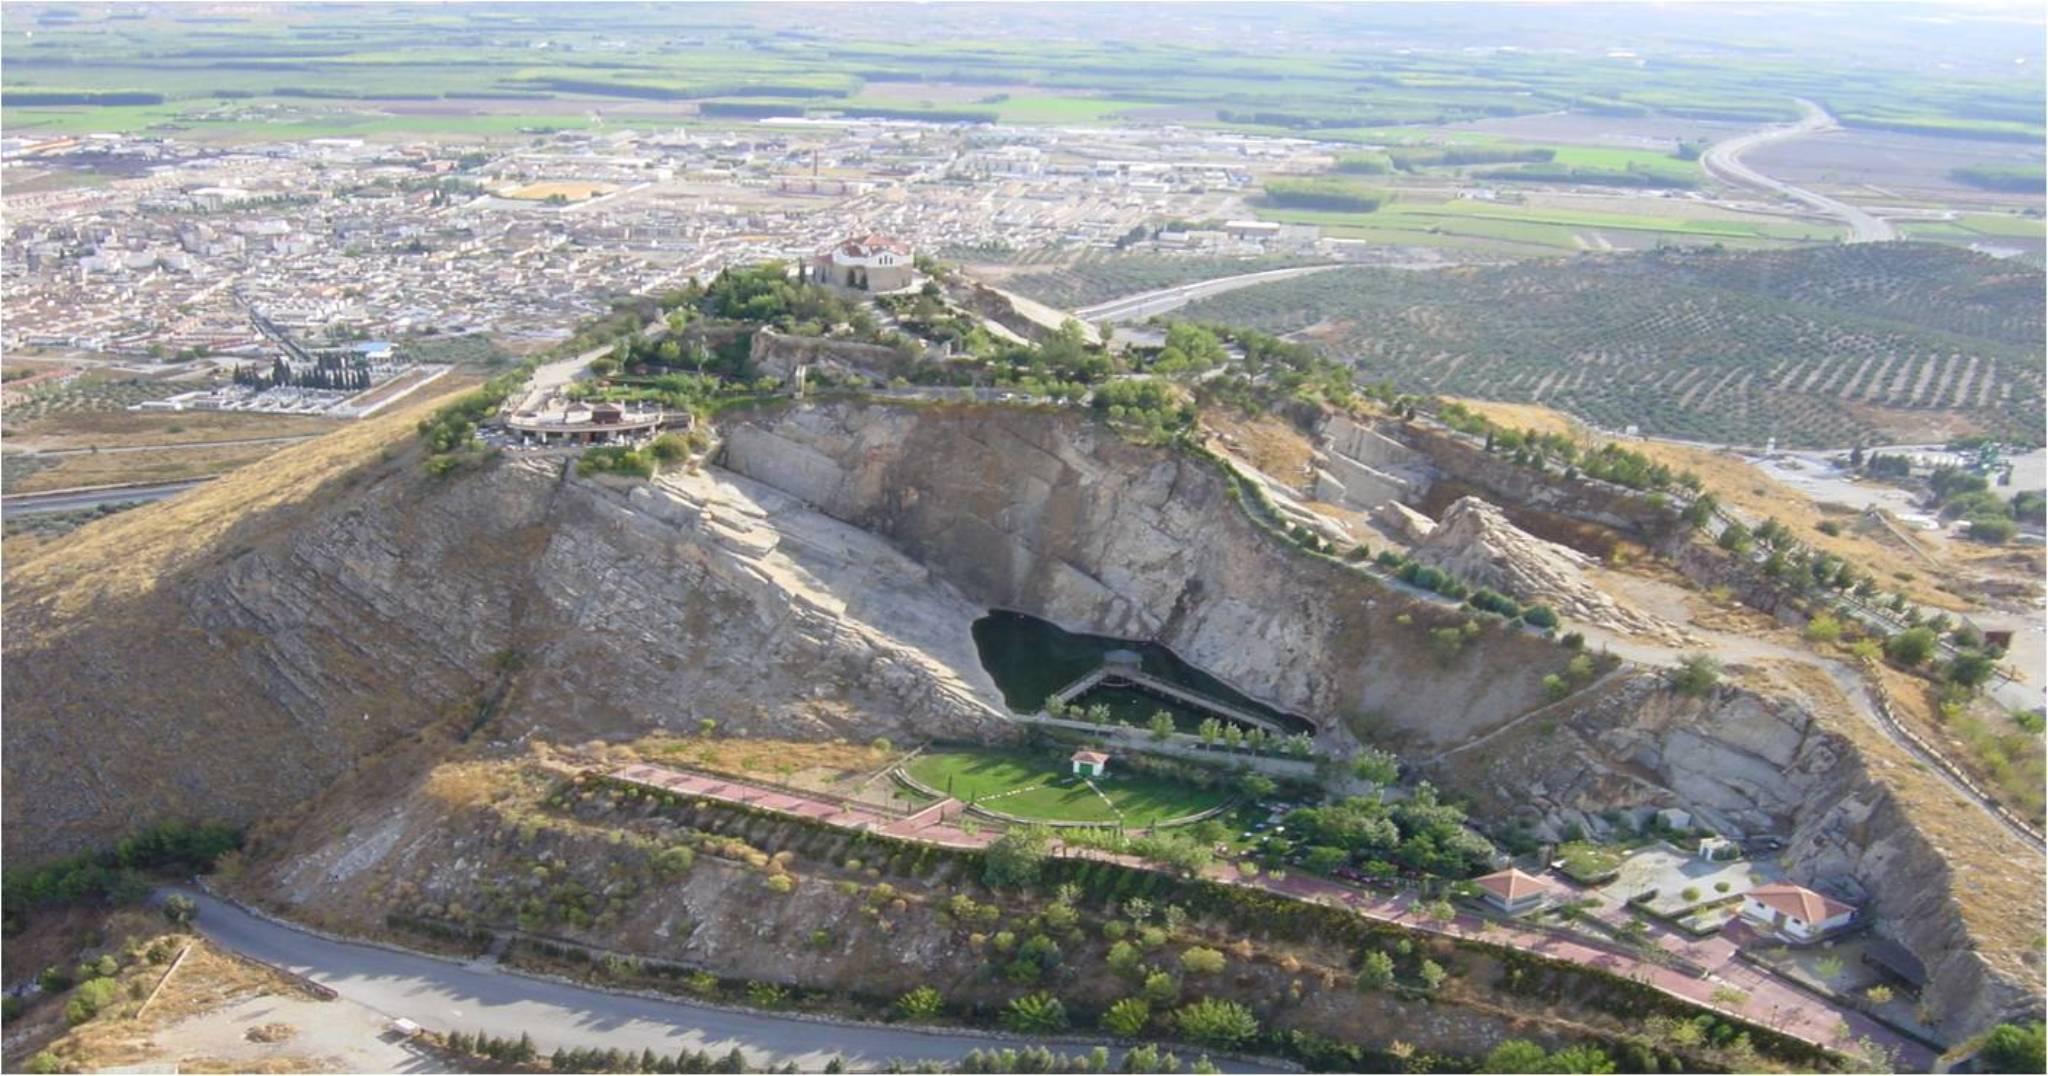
(1041, 788)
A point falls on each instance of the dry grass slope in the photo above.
(129, 554)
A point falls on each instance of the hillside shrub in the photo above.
(1215, 1022)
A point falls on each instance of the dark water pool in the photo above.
(1029, 659)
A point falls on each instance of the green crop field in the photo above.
(1819, 346)
(1042, 788)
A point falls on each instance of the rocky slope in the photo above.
(1475, 542)
(391, 612)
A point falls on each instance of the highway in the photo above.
(1724, 161)
(24, 504)
(445, 995)
(1145, 304)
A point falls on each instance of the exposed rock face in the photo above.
(1399, 519)
(1475, 542)
(246, 683)
(1062, 519)
(1746, 763)
(776, 355)
(1360, 468)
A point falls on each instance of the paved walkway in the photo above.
(1774, 1002)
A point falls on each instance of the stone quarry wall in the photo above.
(1748, 763)
(1058, 517)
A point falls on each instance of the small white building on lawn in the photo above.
(1090, 763)
(1795, 912)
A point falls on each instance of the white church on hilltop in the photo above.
(871, 263)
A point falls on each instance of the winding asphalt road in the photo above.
(23, 504)
(1724, 160)
(1145, 304)
(447, 995)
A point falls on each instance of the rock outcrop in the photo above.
(778, 355)
(1475, 542)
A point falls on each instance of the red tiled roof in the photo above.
(864, 245)
(1090, 756)
(1511, 885)
(1799, 902)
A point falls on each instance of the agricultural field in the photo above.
(1819, 347)
(1890, 166)
(336, 72)
(1532, 227)
(1097, 278)
(86, 394)
(1041, 787)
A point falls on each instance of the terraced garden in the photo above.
(1820, 347)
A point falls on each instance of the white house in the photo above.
(1513, 891)
(1798, 913)
(1090, 763)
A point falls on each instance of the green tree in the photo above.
(1040, 1013)
(1515, 1055)
(1161, 988)
(1127, 1018)
(1161, 726)
(1432, 974)
(1970, 668)
(1376, 971)
(1225, 1025)
(1202, 961)
(1697, 674)
(91, 996)
(922, 1003)
(1910, 648)
(2015, 1048)
(1016, 857)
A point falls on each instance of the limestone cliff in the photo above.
(1052, 515)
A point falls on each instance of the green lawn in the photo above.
(1052, 793)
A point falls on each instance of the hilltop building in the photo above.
(871, 263)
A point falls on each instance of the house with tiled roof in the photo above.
(1794, 911)
(1513, 891)
(1090, 763)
